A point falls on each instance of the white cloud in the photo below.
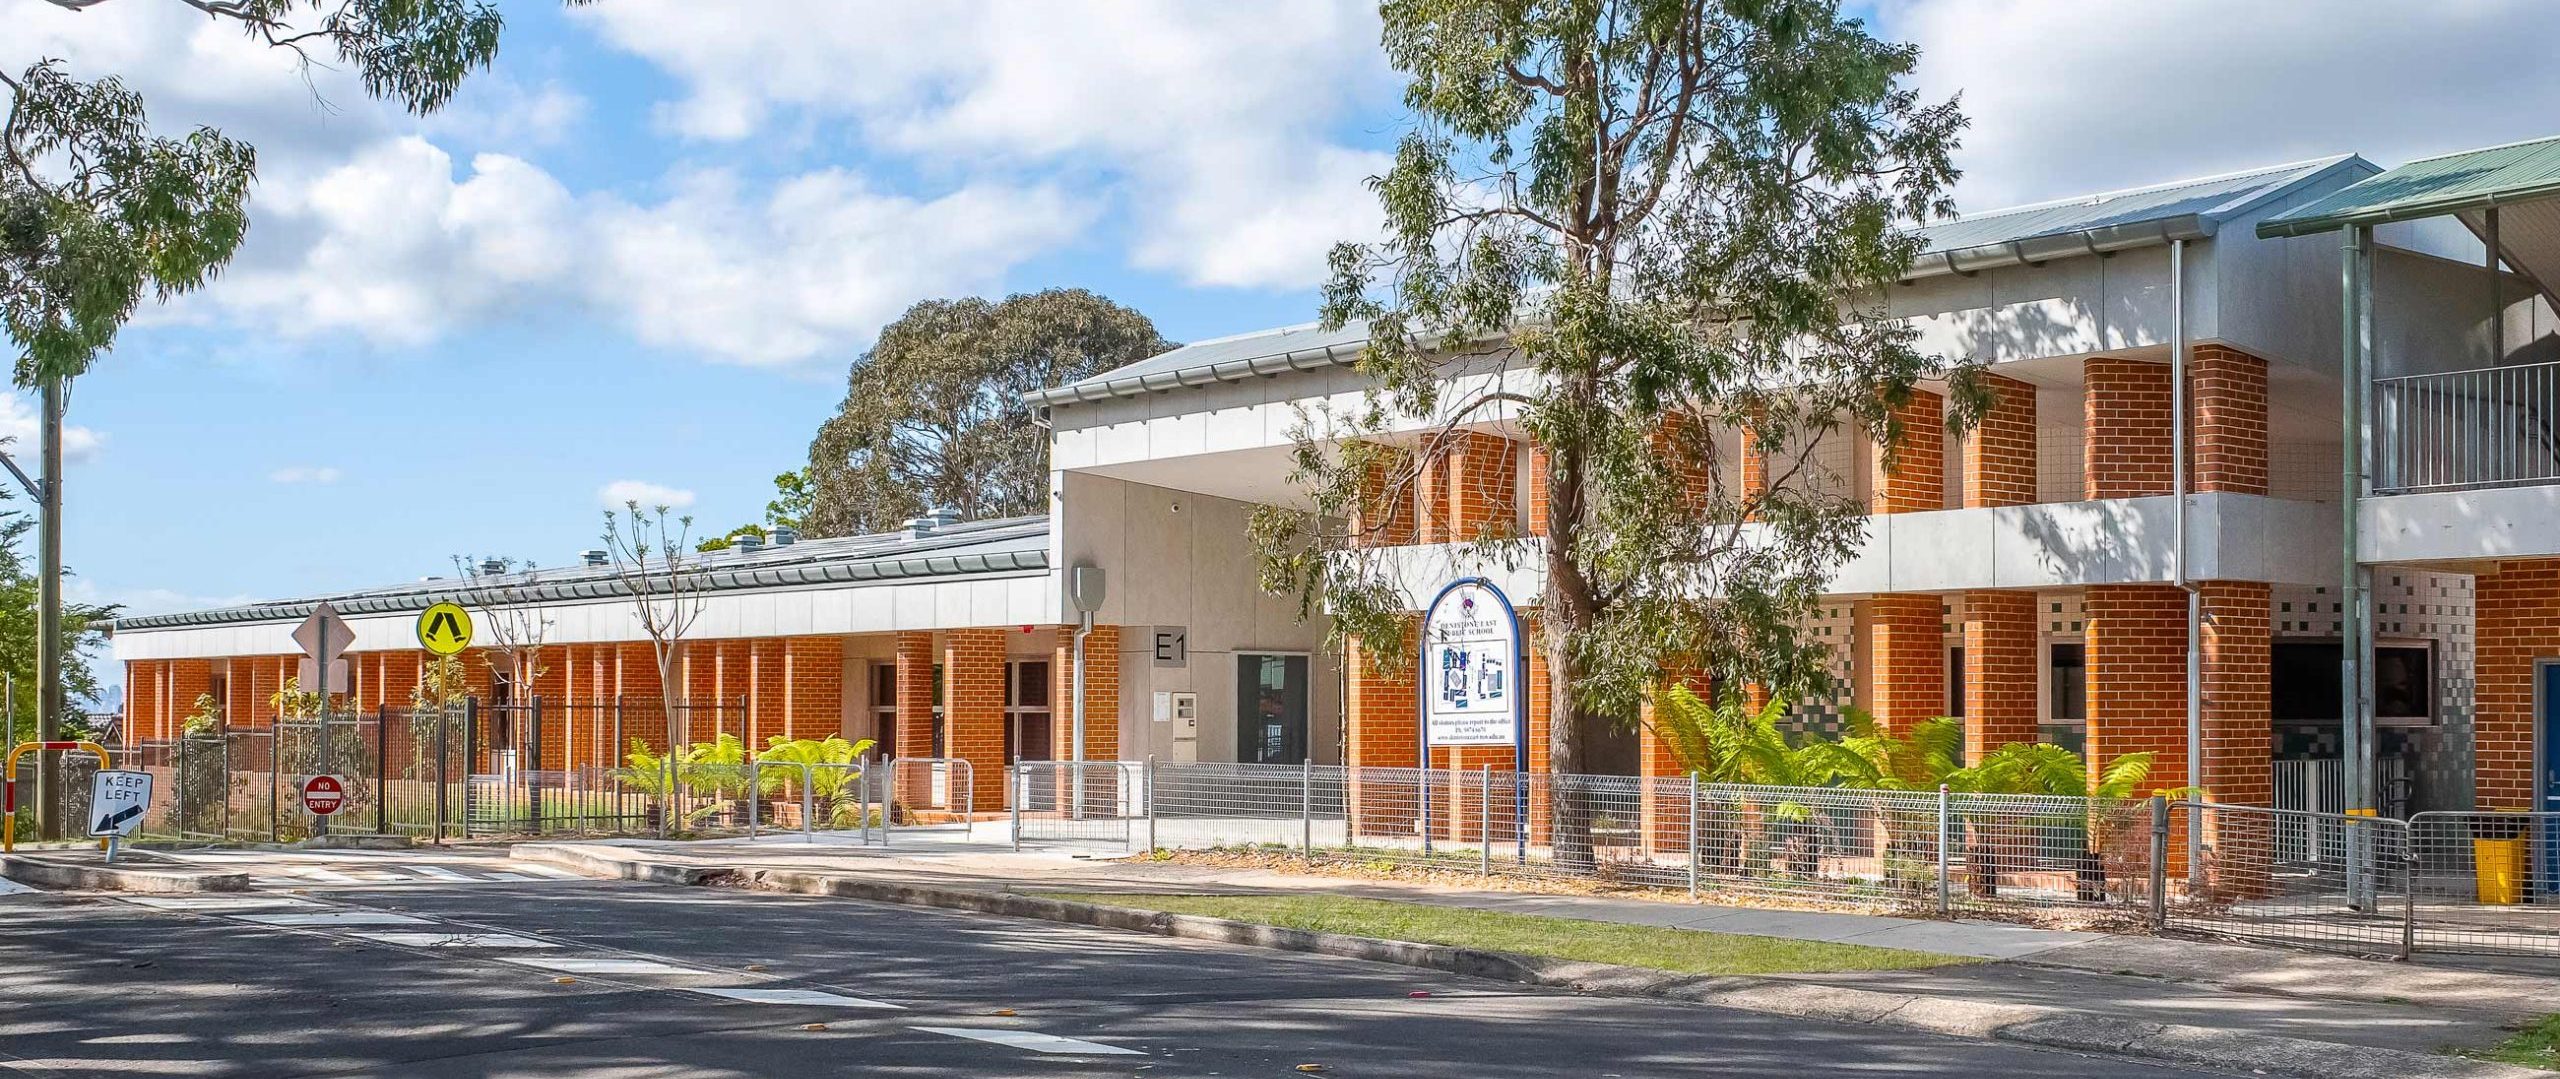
(1215, 122)
(20, 432)
(621, 493)
(305, 474)
(2076, 98)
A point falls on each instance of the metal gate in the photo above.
(1066, 801)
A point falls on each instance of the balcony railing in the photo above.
(2487, 427)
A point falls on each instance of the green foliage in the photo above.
(1728, 741)
(1678, 218)
(81, 634)
(933, 414)
(832, 785)
(789, 509)
(204, 718)
(717, 768)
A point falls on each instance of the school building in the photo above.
(2357, 363)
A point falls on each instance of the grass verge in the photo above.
(1687, 951)
(2536, 1045)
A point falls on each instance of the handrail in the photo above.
(2423, 375)
(9, 782)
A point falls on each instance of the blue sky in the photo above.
(645, 247)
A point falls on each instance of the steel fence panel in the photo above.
(2485, 882)
(1071, 801)
(2348, 893)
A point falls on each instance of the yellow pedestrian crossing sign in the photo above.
(444, 629)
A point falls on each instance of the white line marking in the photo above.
(458, 940)
(11, 887)
(437, 871)
(329, 876)
(571, 964)
(334, 917)
(548, 871)
(510, 876)
(217, 903)
(794, 996)
(1032, 1040)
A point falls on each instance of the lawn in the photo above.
(2537, 1045)
(1687, 951)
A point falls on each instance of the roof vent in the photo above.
(747, 544)
(785, 535)
(593, 556)
(491, 567)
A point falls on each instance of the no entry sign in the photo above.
(323, 795)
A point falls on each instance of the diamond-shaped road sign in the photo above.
(338, 636)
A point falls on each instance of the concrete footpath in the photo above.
(2291, 1002)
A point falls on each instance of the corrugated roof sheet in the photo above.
(970, 548)
(2433, 187)
(2090, 224)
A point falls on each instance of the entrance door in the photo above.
(1271, 709)
(2546, 795)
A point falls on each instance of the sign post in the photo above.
(1474, 691)
(323, 637)
(117, 801)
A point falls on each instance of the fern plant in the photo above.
(830, 775)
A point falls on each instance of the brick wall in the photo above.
(1537, 493)
(2519, 622)
(812, 687)
(2239, 736)
(2126, 429)
(1381, 712)
(1917, 480)
(1101, 694)
(2137, 676)
(2000, 655)
(1383, 519)
(2000, 454)
(973, 707)
(1906, 658)
(2229, 400)
(1484, 483)
(187, 680)
(1431, 501)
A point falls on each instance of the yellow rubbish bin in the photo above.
(2500, 865)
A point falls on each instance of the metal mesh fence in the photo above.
(1067, 800)
(2283, 876)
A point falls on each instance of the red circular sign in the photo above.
(323, 794)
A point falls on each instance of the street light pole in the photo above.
(49, 615)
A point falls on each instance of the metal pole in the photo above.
(1014, 780)
(2408, 897)
(1945, 899)
(49, 615)
(2160, 862)
(328, 756)
(181, 829)
(470, 748)
(533, 764)
(381, 770)
(752, 791)
(275, 788)
(1151, 803)
(1307, 808)
(2182, 402)
(444, 768)
(808, 803)
(1484, 825)
(1693, 835)
(1075, 752)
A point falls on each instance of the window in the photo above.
(1026, 711)
(1271, 709)
(884, 708)
(2306, 682)
(2069, 697)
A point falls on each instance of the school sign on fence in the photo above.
(1471, 668)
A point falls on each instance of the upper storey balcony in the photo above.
(2459, 431)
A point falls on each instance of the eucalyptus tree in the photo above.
(1674, 219)
(99, 209)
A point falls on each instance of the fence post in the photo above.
(382, 770)
(808, 803)
(2160, 862)
(1151, 805)
(1307, 809)
(470, 747)
(2408, 893)
(275, 785)
(1014, 783)
(1484, 826)
(533, 767)
(1693, 835)
(752, 791)
(1946, 903)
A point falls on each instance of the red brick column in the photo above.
(1382, 712)
(1484, 483)
(1385, 515)
(1537, 493)
(2126, 443)
(1999, 671)
(1906, 658)
(265, 677)
(2228, 391)
(1101, 694)
(915, 659)
(188, 680)
(2000, 455)
(1541, 721)
(1662, 804)
(812, 687)
(1431, 501)
(1917, 480)
(973, 707)
(2519, 622)
(2137, 648)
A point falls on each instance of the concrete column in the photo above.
(2000, 454)
(1906, 658)
(1999, 671)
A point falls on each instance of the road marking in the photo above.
(548, 871)
(793, 996)
(1032, 1040)
(511, 876)
(329, 876)
(437, 871)
(11, 887)
(571, 964)
(217, 903)
(458, 940)
(334, 917)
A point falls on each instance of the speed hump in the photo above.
(444, 629)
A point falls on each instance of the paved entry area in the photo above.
(593, 979)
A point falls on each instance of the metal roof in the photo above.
(2432, 187)
(2087, 225)
(975, 548)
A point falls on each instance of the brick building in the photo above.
(2040, 576)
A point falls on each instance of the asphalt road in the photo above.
(109, 987)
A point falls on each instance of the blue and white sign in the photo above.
(1472, 683)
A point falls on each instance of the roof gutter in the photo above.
(2036, 250)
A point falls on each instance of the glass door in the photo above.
(1271, 709)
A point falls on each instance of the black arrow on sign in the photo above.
(108, 823)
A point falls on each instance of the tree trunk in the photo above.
(1568, 608)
